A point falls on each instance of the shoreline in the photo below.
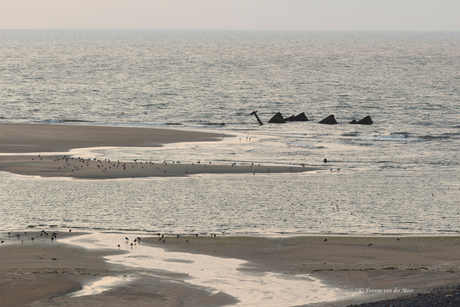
(417, 264)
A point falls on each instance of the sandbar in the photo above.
(26, 138)
(21, 139)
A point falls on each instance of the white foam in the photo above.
(232, 276)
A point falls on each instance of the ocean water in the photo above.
(399, 175)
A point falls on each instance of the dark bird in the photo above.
(370, 244)
(325, 240)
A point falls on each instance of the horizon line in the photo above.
(221, 30)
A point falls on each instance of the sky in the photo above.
(349, 15)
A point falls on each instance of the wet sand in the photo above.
(24, 138)
(46, 273)
(65, 166)
(376, 267)
(410, 265)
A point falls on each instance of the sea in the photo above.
(398, 176)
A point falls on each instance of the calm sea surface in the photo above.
(400, 175)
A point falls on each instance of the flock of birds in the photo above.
(73, 165)
(128, 241)
(161, 239)
(53, 236)
(25, 236)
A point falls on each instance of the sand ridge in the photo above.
(30, 138)
(66, 166)
(26, 138)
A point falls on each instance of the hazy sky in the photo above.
(406, 15)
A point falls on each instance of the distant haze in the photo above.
(361, 15)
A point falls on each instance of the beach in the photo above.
(50, 271)
(360, 268)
